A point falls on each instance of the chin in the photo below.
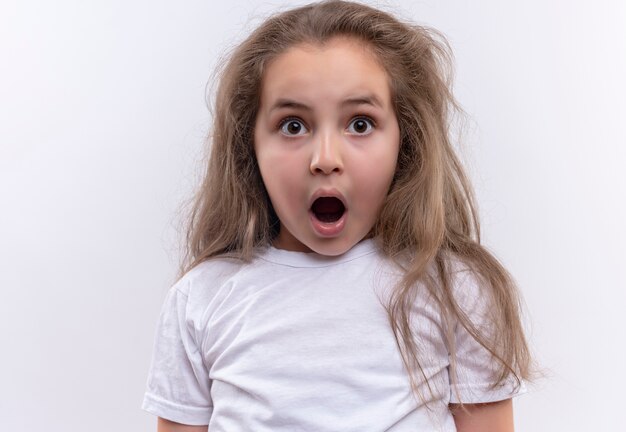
(332, 246)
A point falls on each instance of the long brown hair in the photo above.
(429, 215)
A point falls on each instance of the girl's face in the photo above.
(326, 139)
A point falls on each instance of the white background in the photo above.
(102, 121)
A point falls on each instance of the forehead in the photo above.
(342, 67)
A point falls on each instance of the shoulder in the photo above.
(469, 289)
(457, 269)
(208, 273)
(463, 276)
(203, 284)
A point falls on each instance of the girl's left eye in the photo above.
(361, 126)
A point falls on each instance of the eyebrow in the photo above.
(372, 100)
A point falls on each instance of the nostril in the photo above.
(327, 161)
(326, 169)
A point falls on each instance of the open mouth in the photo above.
(328, 209)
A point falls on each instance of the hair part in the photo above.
(429, 215)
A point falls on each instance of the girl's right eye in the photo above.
(293, 127)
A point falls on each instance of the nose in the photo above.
(326, 158)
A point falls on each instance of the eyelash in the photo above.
(287, 120)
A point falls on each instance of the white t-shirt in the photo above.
(297, 341)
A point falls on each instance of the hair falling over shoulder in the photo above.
(429, 215)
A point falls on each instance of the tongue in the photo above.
(328, 209)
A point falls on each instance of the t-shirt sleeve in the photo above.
(178, 387)
(476, 368)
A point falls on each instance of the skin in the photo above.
(338, 134)
(322, 147)
(169, 426)
(488, 417)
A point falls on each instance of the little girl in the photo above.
(334, 279)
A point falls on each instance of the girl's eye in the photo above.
(358, 126)
(361, 126)
(292, 127)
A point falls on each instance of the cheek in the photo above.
(378, 169)
(377, 179)
(275, 164)
(389, 159)
(280, 174)
(374, 180)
